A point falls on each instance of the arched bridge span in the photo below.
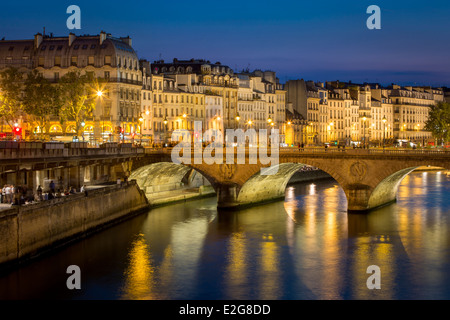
(369, 179)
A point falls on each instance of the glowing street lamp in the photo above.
(82, 125)
(99, 93)
(165, 129)
(364, 121)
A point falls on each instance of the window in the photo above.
(91, 60)
(56, 76)
(93, 46)
(59, 48)
(57, 61)
(76, 47)
(106, 74)
(11, 49)
(51, 48)
(84, 47)
(41, 62)
(43, 48)
(108, 60)
(74, 61)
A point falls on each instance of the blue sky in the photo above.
(314, 40)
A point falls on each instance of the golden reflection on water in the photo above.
(139, 283)
(269, 277)
(424, 234)
(236, 284)
(315, 245)
(330, 249)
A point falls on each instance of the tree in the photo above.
(11, 85)
(439, 121)
(78, 93)
(41, 99)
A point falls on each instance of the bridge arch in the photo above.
(262, 188)
(155, 179)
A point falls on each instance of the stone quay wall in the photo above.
(27, 231)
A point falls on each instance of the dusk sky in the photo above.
(315, 40)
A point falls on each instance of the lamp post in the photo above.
(185, 118)
(141, 121)
(99, 95)
(269, 120)
(417, 137)
(236, 124)
(331, 129)
(364, 132)
(82, 130)
(122, 129)
(384, 131)
(165, 130)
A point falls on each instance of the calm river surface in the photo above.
(306, 247)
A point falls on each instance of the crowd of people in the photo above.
(20, 195)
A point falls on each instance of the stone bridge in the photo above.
(369, 178)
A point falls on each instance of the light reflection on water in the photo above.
(307, 247)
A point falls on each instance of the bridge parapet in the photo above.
(43, 153)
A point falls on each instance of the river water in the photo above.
(305, 247)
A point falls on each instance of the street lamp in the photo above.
(82, 132)
(141, 120)
(100, 94)
(384, 131)
(364, 132)
(331, 129)
(237, 120)
(165, 129)
(417, 137)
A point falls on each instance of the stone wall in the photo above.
(26, 231)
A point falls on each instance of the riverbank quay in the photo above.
(28, 231)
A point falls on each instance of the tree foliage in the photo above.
(439, 121)
(11, 86)
(78, 97)
(41, 99)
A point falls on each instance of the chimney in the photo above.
(102, 37)
(37, 40)
(126, 40)
(72, 38)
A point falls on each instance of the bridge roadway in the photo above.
(369, 178)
